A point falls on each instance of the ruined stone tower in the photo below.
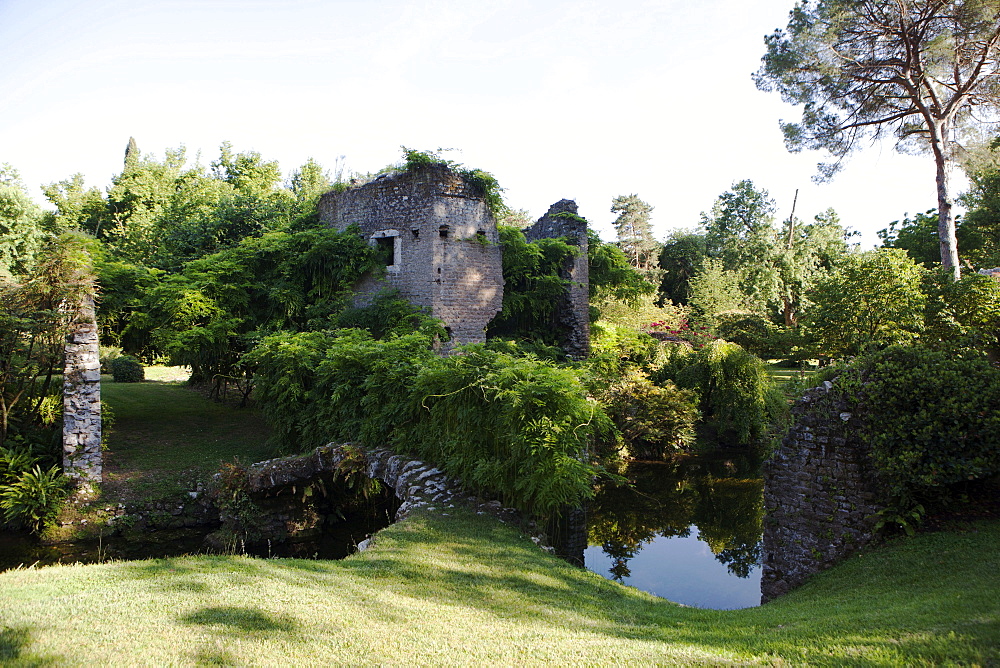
(572, 315)
(439, 239)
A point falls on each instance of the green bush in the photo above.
(33, 500)
(389, 314)
(963, 314)
(736, 393)
(518, 427)
(932, 419)
(127, 369)
(507, 425)
(754, 333)
(107, 355)
(655, 421)
(13, 462)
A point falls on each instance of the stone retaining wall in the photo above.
(821, 493)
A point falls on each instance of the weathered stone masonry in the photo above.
(82, 399)
(821, 493)
(441, 238)
(443, 250)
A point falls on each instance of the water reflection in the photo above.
(688, 530)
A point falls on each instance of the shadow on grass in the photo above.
(878, 608)
(14, 641)
(242, 621)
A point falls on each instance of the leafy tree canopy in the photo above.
(22, 231)
(635, 235)
(913, 69)
(872, 300)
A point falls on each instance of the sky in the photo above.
(578, 99)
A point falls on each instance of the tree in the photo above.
(915, 69)
(35, 314)
(680, 259)
(871, 300)
(739, 232)
(21, 230)
(754, 267)
(635, 237)
(918, 236)
(807, 253)
(980, 230)
(78, 207)
(136, 201)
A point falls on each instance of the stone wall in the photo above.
(441, 239)
(821, 493)
(82, 460)
(573, 313)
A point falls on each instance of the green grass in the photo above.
(166, 435)
(463, 589)
(466, 590)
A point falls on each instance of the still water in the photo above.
(688, 530)
(337, 540)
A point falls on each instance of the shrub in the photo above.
(698, 335)
(964, 314)
(13, 462)
(387, 315)
(932, 419)
(107, 355)
(513, 426)
(127, 369)
(752, 332)
(34, 499)
(655, 421)
(872, 300)
(518, 427)
(736, 393)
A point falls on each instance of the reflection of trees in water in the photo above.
(719, 493)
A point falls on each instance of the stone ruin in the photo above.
(821, 493)
(572, 315)
(441, 248)
(82, 459)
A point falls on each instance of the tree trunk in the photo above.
(789, 312)
(946, 219)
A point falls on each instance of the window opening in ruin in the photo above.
(386, 249)
(443, 231)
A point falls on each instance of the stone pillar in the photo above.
(82, 399)
(573, 312)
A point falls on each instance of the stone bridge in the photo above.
(273, 485)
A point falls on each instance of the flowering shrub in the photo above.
(696, 335)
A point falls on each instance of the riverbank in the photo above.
(466, 589)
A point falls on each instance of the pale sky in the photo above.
(574, 99)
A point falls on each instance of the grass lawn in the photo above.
(462, 589)
(465, 589)
(166, 436)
